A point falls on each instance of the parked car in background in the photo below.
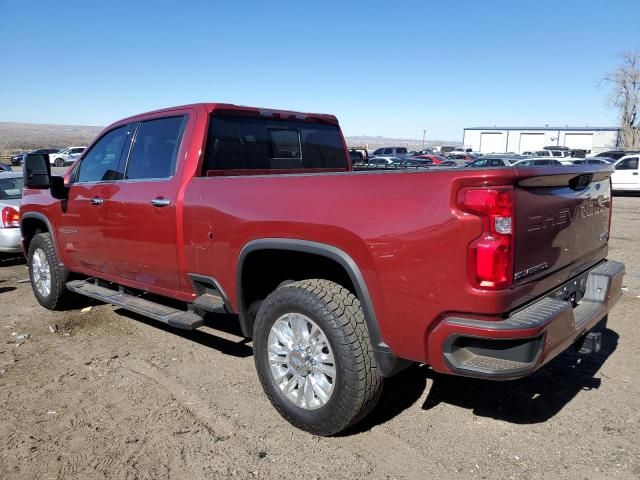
(578, 153)
(593, 161)
(446, 149)
(616, 154)
(65, 156)
(466, 157)
(17, 158)
(358, 155)
(435, 159)
(47, 151)
(462, 150)
(536, 162)
(10, 197)
(383, 161)
(489, 161)
(627, 174)
(551, 153)
(391, 152)
(527, 153)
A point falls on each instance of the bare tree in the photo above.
(625, 96)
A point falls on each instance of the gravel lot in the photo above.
(112, 395)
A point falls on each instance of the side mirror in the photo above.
(36, 171)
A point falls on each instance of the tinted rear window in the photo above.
(248, 143)
(11, 188)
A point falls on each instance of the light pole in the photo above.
(424, 134)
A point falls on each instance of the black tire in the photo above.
(339, 314)
(58, 162)
(58, 296)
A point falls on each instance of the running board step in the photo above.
(169, 315)
(210, 303)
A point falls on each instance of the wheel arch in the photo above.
(387, 361)
(32, 223)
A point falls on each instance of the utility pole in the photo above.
(424, 134)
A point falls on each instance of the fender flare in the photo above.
(387, 362)
(41, 217)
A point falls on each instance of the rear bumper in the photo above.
(530, 337)
(10, 240)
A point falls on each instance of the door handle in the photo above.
(97, 201)
(635, 173)
(160, 202)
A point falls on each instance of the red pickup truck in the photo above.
(340, 277)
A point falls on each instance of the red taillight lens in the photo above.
(491, 255)
(10, 217)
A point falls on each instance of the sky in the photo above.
(383, 68)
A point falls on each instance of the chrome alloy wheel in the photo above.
(41, 272)
(301, 361)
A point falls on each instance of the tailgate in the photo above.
(562, 218)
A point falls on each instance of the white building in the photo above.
(522, 139)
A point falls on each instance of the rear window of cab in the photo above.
(246, 145)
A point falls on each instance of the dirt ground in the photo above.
(113, 396)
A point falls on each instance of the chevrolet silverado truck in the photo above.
(258, 213)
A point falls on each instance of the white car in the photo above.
(627, 175)
(10, 198)
(536, 162)
(551, 153)
(66, 156)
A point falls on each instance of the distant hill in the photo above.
(411, 143)
(28, 136)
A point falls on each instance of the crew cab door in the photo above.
(82, 220)
(626, 176)
(141, 214)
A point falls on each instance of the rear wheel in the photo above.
(59, 162)
(314, 357)
(47, 276)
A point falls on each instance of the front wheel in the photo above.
(59, 162)
(314, 357)
(47, 276)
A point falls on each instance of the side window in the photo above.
(155, 148)
(101, 162)
(401, 150)
(387, 151)
(378, 151)
(497, 163)
(628, 164)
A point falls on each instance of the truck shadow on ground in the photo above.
(530, 400)
(225, 324)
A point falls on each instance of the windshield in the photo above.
(11, 188)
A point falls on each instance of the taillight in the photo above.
(10, 217)
(491, 254)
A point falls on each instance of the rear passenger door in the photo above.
(141, 232)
